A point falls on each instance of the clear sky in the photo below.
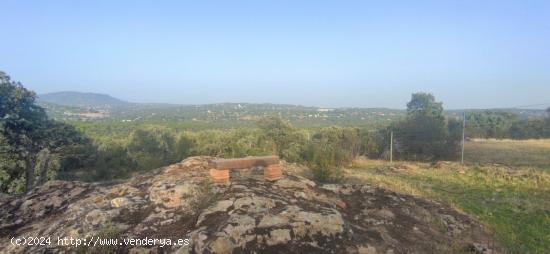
(469, 54)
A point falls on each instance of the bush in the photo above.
(425, 134)
(344, 142)
(152, 148)
(204, 196)
(184, 146)
(284, 139)
(322, 159)
(230, 143)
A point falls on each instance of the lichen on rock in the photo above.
(248, 215)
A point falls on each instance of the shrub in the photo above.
(321, 158)
(107, 231)
(204, 196)
(425, 134)
(284, 139)
(152, 148)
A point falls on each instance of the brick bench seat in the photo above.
(220, 168)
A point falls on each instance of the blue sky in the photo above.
(469, 54)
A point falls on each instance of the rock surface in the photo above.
(248, 215)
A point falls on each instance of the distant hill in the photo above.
(76, 106)
(79, 99)
(68, 107)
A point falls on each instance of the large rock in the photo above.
(249, 215)
(170, 195)
(278, 236)
(220, 206)
(120, 202)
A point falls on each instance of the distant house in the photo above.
(324, 109)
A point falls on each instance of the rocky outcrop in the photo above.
(290, 215)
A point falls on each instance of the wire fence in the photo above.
(473, 149)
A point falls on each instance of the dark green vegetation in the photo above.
(119, 138)
(152, 146)
(501, 124)
(34, 145)
(425, 133)
(33, 149)
(512, 201)
(235, 115)
(107, 140)
(223, 115)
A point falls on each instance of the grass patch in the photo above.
(534, 153)
(515, 203)
(204, 196)
(107, 231)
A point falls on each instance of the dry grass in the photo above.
(513, 201)
(534, 153)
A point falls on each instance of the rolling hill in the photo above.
(79, 99)
(76, 106)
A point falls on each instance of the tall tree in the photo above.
(424, 104)
(22, 123)
(152, 148)
(29, 137)
(286, 140)
(424, 133)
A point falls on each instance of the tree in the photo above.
(22, 124)
(490, 124)
(424, 104)
(152, 148)
(345, 143)
(322, 159)
(286, 140)
(112, 162)
(424, 133)
(526, 129)
(184, 145)
(31, 143)
(69, 150)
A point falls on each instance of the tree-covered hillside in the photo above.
(78, 99)
(224, 115)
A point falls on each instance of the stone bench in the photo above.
(220, 168)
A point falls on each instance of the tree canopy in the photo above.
(425, 133)
(31, 144)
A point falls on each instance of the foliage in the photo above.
(21, 125)
(489, 124)
(32, 145)
(230, 143)
(112, 162)
(537, 128)
(107, 232)
(500, 124)
(87, 108)
(152, 148)
(346, 143)
(282, 135)
(321, 158)
(425, 134)
(204, 195)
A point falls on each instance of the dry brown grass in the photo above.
(533, 153)
(513, 201)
